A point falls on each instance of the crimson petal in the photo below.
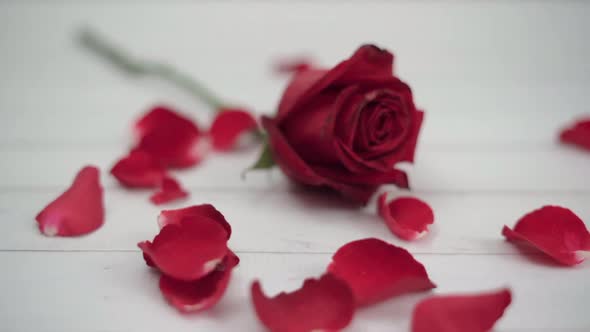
(376, 270)
(138, 170)
(170, 190)
(554, 230)
(79, 210)
(188, 250)
(228, 126)
(201, 294)
(162, 116)
(167, 217)
(578, 134)
(406, 217)
(292, 65)
(460, 313)
(325, 304)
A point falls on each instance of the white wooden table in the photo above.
(497, 81)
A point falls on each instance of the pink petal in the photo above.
(79, 210)
(167, 217)
(460, 313)
(325, 304)
(228, 127)
(138, 170)
(201, 294)
(188, 250)
(554, 230)
(376, 270)
(406, 217)
(169, 191)
(578, 134)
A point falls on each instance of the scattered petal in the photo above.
(406, 217)
(554, 230)
(228, 127)
(201, 294)
(162, 116)
(138, 170)
(172, 140)
(170, 190)
(167, 217)
(79, 210)
(460, 313)
(292, 65)
(578, 134)
(376, 270)
(325, 304)
(188, 250)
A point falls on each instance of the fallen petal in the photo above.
(79, 210)
(170, 190)
(325, 304)
(188, 250)
(554, 230)
(578, 134)
(204, 210)
(376, 270)
(406, 217)
(201, 294)
(460, 313)
(138, 170)
(229, 125)
(162, 116)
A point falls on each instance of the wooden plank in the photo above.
(289, 221)
(116, 292)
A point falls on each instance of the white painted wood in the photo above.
(290, 221)
(116, 292)
(550, 168)
(497, 79)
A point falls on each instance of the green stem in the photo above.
(137, 67)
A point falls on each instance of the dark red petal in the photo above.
(228, 126)
(292, 65)
(79, 210)
(554, 230)
(325, 304)
(297, 169)
(201, 294)
(406, 217)
(170, 190)
(187, 250)
(162, 116)
(460, 313)
(297, 88)
(376, 270)
(578, 134)
(138, 170)
(167, 217)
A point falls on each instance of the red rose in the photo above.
(347, 127)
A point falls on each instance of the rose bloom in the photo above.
(347, 127)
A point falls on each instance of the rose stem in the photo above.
(136, 67)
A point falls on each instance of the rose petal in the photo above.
(460, 313)
(201, 294)
(138, 170)
(406, 217)
(172, 140)
(228, 126)
(554, 230)
(325, 304)
(167, 217)
(187, 250)
(162, 116)
(79, 210)
(376, 270)
(170, 190)
(292, 65)
(578, 134)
